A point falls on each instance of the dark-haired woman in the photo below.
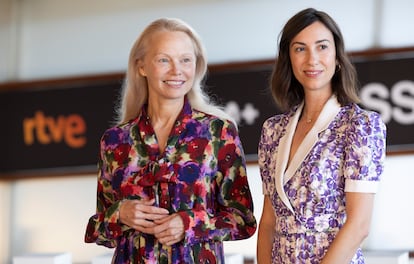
(322, 159)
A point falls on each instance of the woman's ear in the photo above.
(140, 67)
(142, 72)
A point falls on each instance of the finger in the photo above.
(174, 219)
(141, 202)
(140, 214)
(150, 209)
(130, 206)
(147, 216)
(146, 230)
(146, 206)
(134, 222)
(140, 211)
(171, 232)
(169, 229)
(170, 240)
(143, 226)
(144, 223)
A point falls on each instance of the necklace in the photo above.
(309, 120)
(312, 117)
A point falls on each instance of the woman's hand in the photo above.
(141, 214)
(169, 230)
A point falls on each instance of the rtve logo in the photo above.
(46, 130)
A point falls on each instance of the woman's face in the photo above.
(169, 65)
(313, 57)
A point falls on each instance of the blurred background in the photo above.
(52, 39)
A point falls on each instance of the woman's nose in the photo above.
(176, 68)
(313, 58)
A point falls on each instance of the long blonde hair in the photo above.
(134, 93)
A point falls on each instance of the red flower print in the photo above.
(130, 189)
(196, 148)
(223, 223)
(114, 230)
(239, 190)
(121, 153)
(147, 179)
(226, 157)
(206, 257)
(100, 187)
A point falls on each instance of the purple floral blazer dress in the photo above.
(201, 175)
(343, 152)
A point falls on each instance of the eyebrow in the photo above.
(317, 42)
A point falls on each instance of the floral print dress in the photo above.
(343, 152)
(201, 175)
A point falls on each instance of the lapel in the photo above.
(284, 173)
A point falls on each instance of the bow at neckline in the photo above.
(158, 171)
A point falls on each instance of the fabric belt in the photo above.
(321, 223)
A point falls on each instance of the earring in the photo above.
(338, 67)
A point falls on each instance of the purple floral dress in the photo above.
(343, 152)
(201, 176)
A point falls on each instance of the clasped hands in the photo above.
(143, 216)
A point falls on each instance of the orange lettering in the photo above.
(71, 129)
(75, 128)
(41, 132)
(28, 130)
(56, 128)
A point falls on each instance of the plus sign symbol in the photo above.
(248, 114)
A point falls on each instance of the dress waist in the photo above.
(294, 224)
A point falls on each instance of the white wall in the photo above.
(5, 209)
(56, 38)
(50, 215)
(59, 38)
(392, 226)
(8, 39)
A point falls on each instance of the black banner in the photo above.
(245, 95)
(56, 126)
(51, 128)
(387, 87)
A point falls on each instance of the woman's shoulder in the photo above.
(215, 124)
(121, 126)
(275, 119)
(117, 132)
(362, 118)
(356, 112)
(204, 117)
(279, 119)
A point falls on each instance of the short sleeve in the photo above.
(365, 152)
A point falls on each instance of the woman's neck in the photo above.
(313, 106)
(164, 113)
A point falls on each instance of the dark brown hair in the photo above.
(286, 90)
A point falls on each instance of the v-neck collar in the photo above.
(147, 133)
(283, 172)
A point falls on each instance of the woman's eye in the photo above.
(163, 60)
(322, 47)
(299, 49)
(187, 60)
